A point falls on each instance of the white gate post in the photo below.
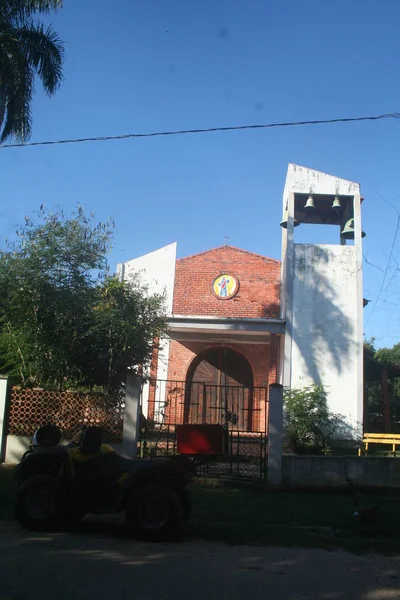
(3, 418)
(275, 434)
(131, 425)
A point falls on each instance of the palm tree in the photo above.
(26, 49)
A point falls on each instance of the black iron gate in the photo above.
(243, 411)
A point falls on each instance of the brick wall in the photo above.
(258, 297)
(262, 359)
(259, 284)
(182, 355)
(273, 358)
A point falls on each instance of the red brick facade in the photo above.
(257, 297)
(259, 284)
(259, 356)
(262, 358)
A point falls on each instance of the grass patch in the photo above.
(303, 518)
(321, 519)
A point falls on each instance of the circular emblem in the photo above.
(225, 286)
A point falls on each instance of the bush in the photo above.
(309, 426)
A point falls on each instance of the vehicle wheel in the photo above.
(39, 503)
(71, 518)
(155, 511)
(186, 501)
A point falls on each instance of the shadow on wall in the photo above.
(322, 332)
(271, 310)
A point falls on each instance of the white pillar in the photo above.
(359, 345)
(3, 418)
(275, 434)
(287, 288)
(131, 425)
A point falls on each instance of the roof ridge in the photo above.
(233, 248)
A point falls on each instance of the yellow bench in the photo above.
(393, 439)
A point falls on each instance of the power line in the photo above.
(385, 199)
(126, 136)
(386, 271)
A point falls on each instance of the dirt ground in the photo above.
(103, 564)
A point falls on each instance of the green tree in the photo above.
(26, 49)
(64, 321)
(389, 357)
(125, 321)
(369, 344)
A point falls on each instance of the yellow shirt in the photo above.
(76, 454)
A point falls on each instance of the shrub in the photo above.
(309, 425)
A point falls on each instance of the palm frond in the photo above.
(7, 35)
(26, 49)
(17, 82)
(45, 53)
(24, 9)
(3, 103)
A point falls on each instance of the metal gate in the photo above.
(242, 410)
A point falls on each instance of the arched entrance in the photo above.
(219, 389)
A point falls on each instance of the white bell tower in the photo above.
(322, 300)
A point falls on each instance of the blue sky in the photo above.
(148, 65)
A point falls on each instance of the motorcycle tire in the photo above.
(39, 503)
(155, 511)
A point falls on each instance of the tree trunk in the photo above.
(385, 399)
(2, 104)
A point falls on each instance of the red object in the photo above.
(200, 439)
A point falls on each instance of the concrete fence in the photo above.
(340, 472)
(3, 417)
(287, 470)
(275, 434)
(12, 447)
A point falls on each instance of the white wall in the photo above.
(163, 356)
(301, 179)
(3, 415)
(325, 344)
(321, 302)
(16, 447)
(156, 270)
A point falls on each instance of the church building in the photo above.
(254, 321)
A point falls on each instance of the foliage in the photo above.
(370, 344)
(309, 426)
(26, 49)
(125, 321)
(64, 321)
(388, 357)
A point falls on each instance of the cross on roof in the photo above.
(226, 240)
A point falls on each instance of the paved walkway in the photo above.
(96, 563)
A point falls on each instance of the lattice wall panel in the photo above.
(31, 408)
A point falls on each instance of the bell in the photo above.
(336, 206)
(348, 230)
(285, 221)
(309, 206)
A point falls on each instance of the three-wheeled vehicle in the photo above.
(58, 485)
